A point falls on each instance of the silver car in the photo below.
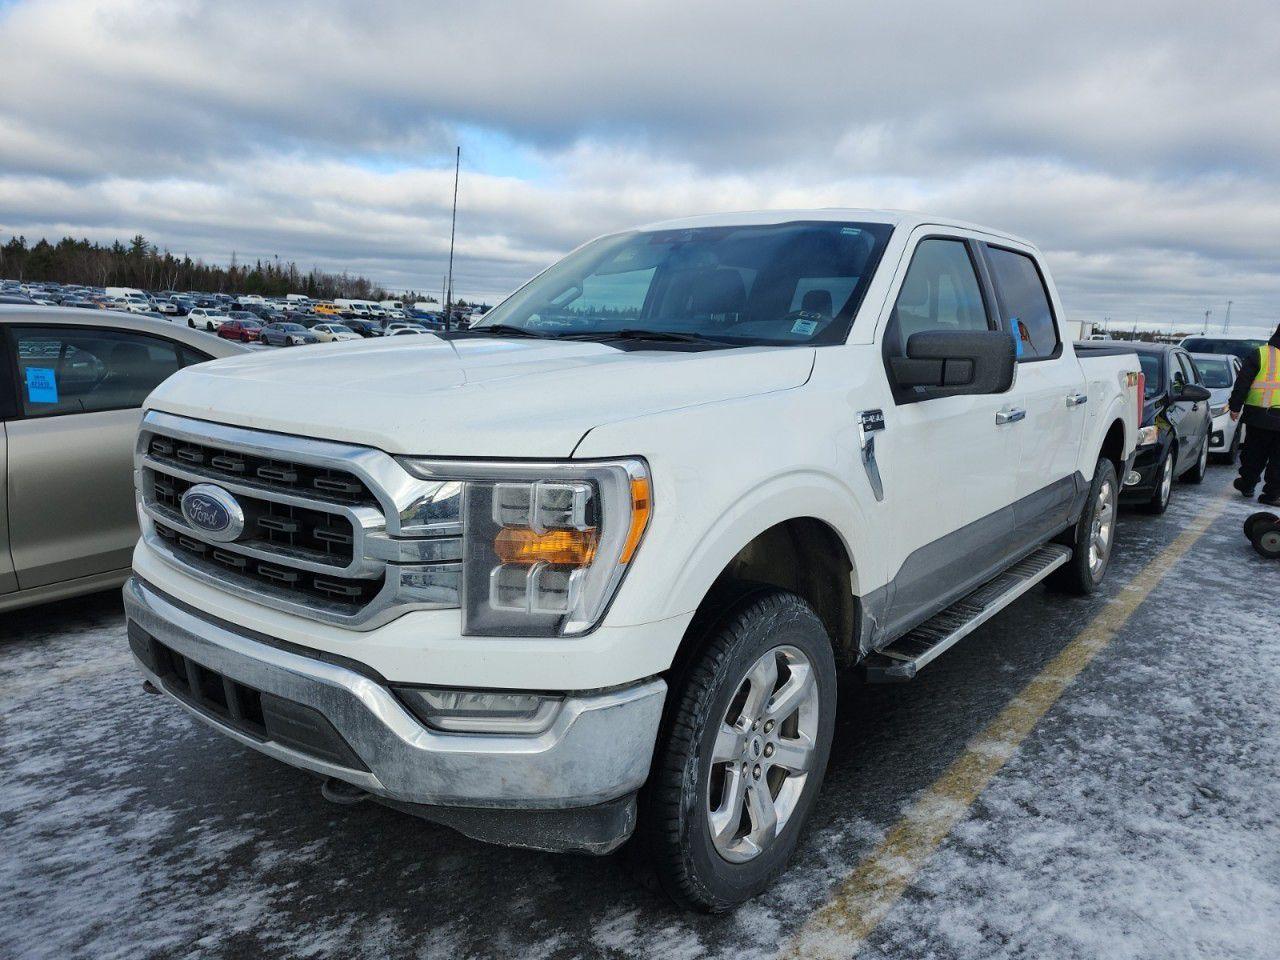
(71, 385)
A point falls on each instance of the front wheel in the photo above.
(744, 752)
(1093, 535)
(1159, 501)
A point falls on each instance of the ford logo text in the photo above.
(213, 513)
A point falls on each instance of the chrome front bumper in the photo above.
(597, 749)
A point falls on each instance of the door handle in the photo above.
(1077, 399)
(1012, 415)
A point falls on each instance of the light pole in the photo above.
(1206, 321)
(1226, 322)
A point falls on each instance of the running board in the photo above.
(906, 656)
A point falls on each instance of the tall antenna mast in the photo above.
(453, 228)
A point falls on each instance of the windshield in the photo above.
(1215, 373)
(785, 284)
(1241, 348)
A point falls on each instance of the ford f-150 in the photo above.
(585, 572)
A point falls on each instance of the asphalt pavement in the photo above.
(1139, 816)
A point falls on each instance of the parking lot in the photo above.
(1082, 778)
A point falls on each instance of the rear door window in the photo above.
(65, 370)
(1024, 303)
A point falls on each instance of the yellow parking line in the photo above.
(838, 928)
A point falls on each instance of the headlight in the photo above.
(1218, 411)
(545, 545)
(1148, 436)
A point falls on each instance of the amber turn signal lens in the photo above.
(641, 506)
(566, 548)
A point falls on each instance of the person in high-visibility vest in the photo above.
(1255, 402)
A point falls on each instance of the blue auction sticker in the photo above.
(42, 385)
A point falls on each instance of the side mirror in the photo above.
(948, 363)
(1194, 393)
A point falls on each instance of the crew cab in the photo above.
(585, 572)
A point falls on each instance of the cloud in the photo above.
(1134, 144)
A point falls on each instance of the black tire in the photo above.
(1078, 575)
(1266, 540)
(1255, 520)
(1197, 473)
(1163, 492)
(673, 839)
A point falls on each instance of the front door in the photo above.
(948, 462)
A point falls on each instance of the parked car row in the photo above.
(206, 311)
(1185, 420)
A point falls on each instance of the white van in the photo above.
(359, 308)
(393, 304)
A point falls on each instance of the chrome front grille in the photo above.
(333, 532)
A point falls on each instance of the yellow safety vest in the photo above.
(1265, 391)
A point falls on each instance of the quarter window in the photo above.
(939, 292)
(1024, 303)
(69, 370)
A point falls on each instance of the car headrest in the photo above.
(717, 292)
(817, 301)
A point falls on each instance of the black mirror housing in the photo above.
(948, 363)
(1195, 393)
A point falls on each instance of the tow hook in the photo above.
(341, 792)
(149, 687)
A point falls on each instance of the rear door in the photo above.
(70, 447)
(947, 463)
(1051, 388)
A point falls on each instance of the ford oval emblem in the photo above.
(213, 512)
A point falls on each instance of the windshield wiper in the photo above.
(630, 333)
(505, 330)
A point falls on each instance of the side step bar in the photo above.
(906, 656)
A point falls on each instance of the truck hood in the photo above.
(482, 397)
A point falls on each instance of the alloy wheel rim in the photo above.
(1166, 479)
(1104, 516)
(762, 754)
(1204, 455)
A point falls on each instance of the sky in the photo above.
(1138, 144)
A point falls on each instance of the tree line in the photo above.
(140, 263)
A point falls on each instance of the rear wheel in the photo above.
(743, 756)
(1159, 501)
(1093, 535)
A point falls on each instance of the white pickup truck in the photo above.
(588, 568)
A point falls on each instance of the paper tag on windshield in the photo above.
(804, 327)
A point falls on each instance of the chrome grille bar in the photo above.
(334, 532)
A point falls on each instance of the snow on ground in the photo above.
(1141, 819)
